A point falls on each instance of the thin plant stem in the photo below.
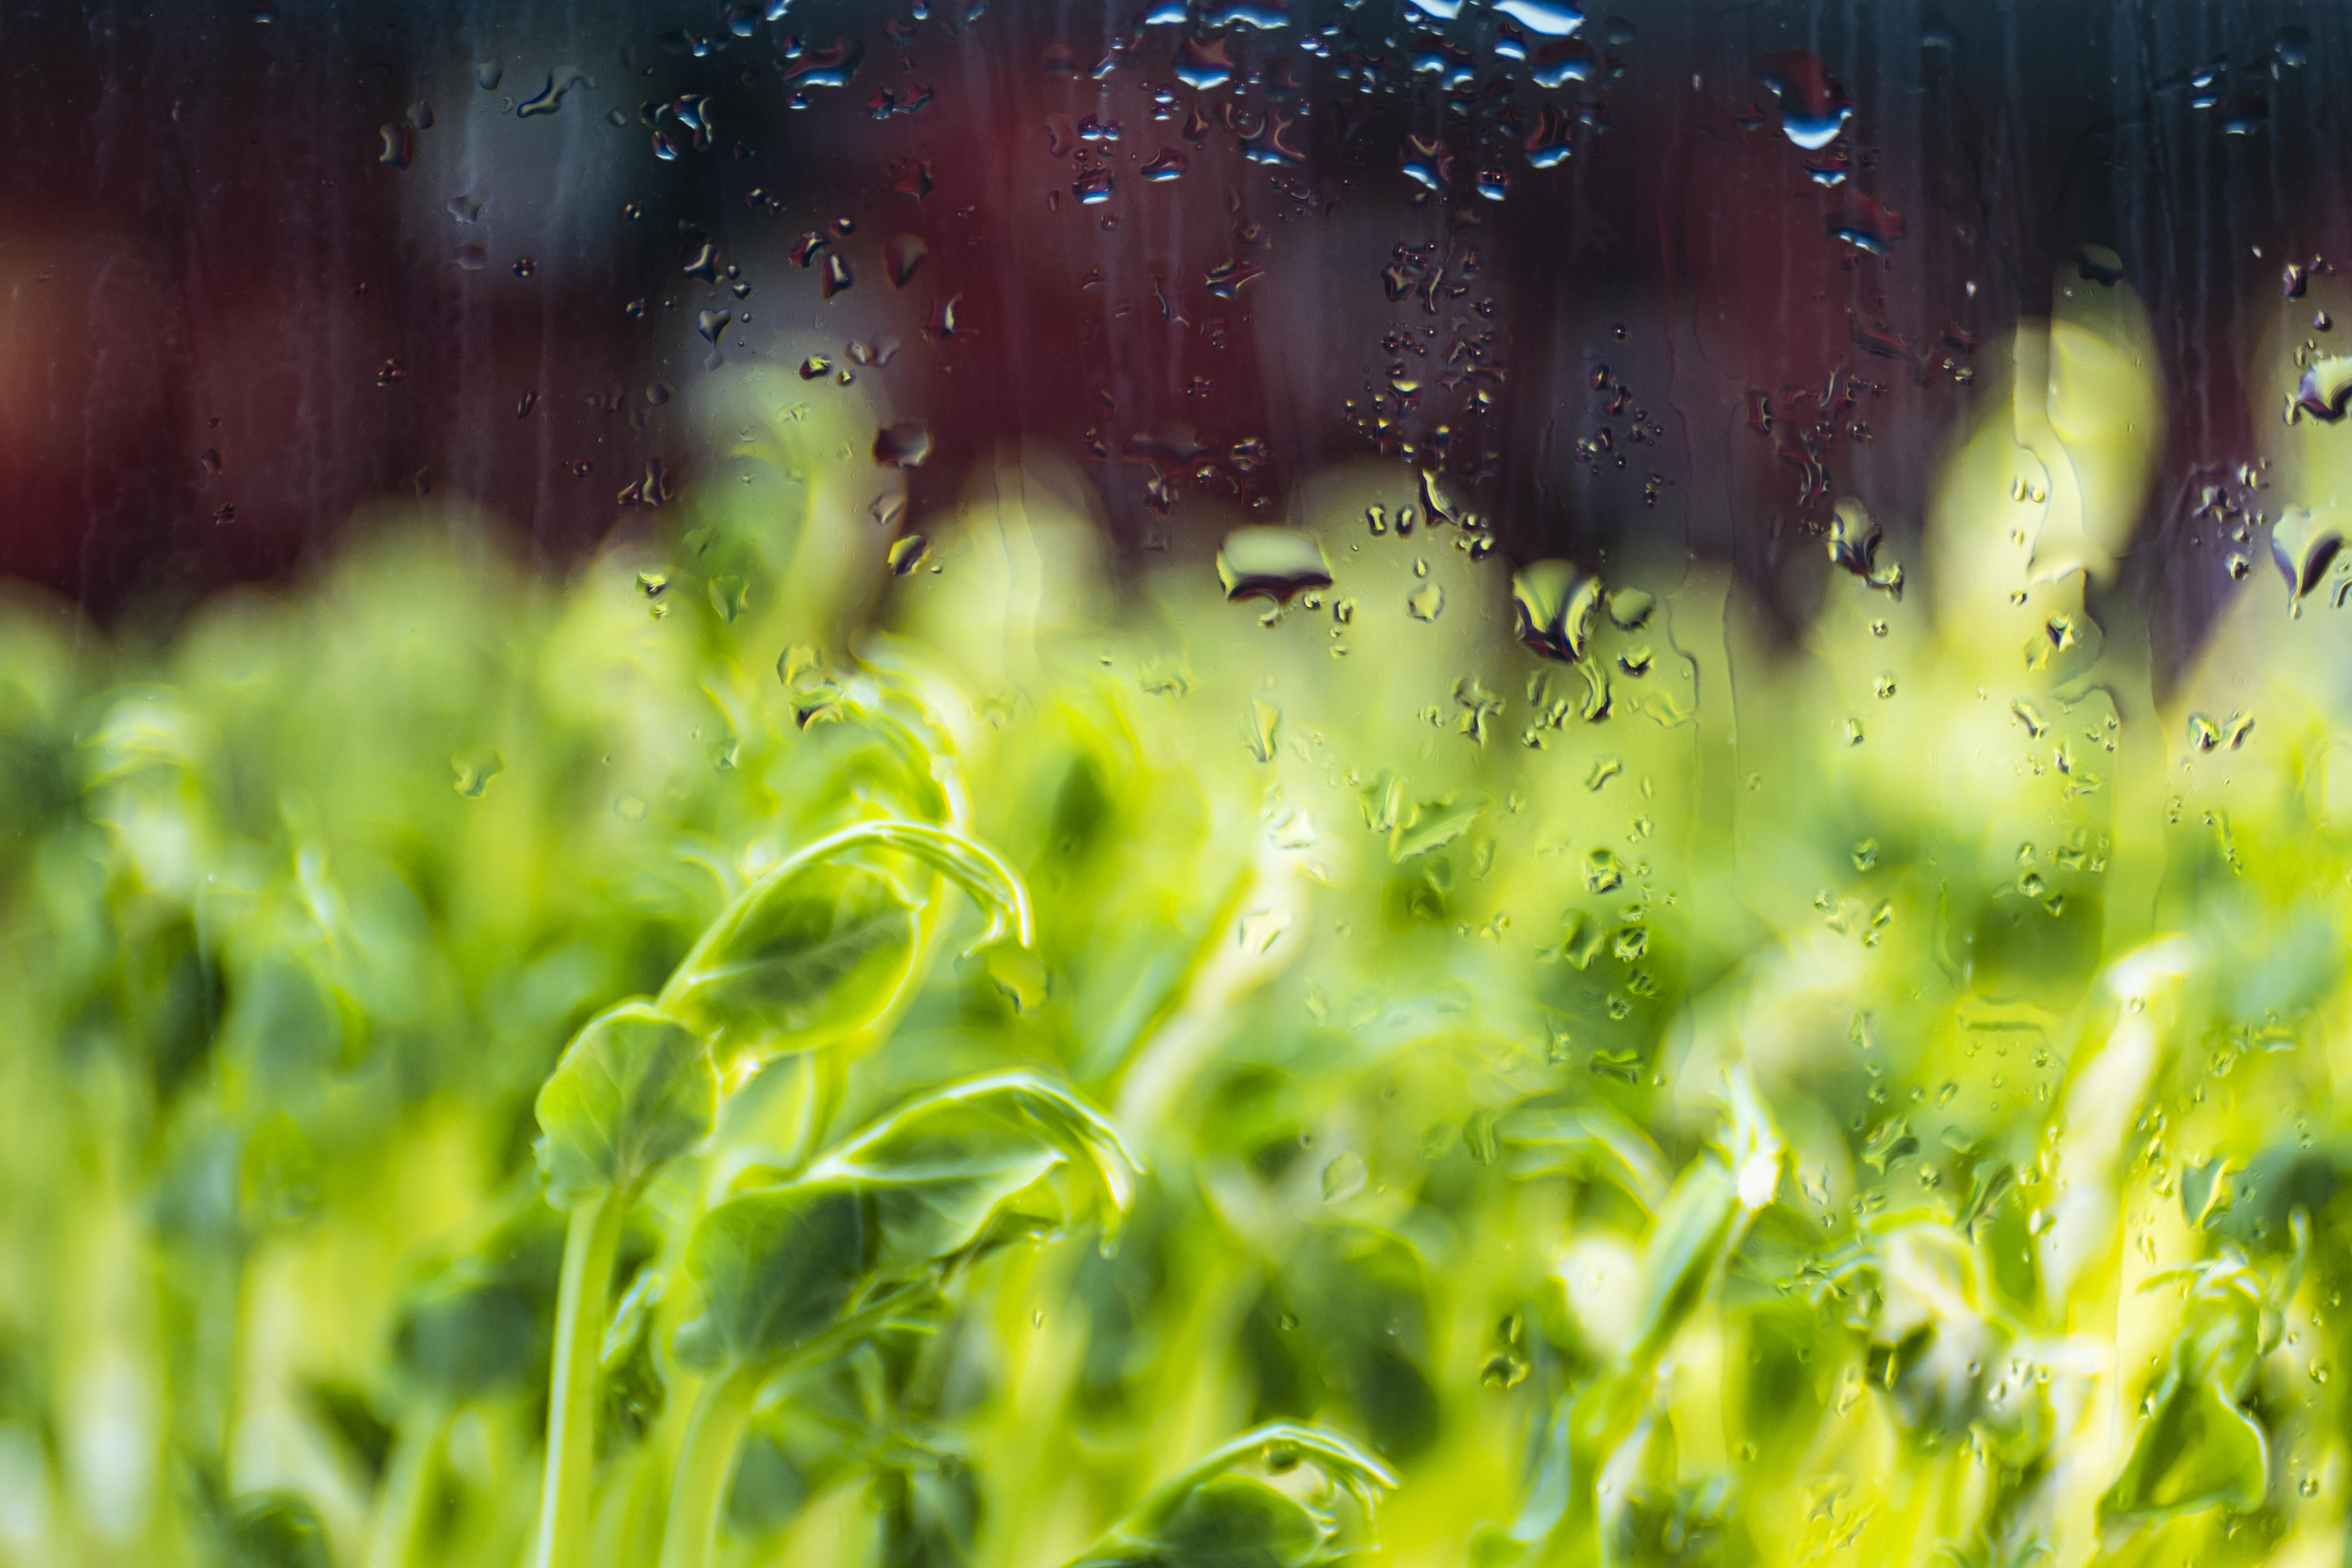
(589, 1245)
(706, 1462)
(407, 1485)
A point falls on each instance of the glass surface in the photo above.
(1208, 782)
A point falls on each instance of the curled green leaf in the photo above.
(1207, 1517)
(1548, 1139)
(780, 1265)
(2197, 1451)
(635, 1089)
(823, 946)
(971, 1141)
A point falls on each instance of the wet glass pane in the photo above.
(967, 784)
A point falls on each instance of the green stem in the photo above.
(407, 1484)
(589, 1245)
(706, 1463)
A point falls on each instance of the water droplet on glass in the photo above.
(1271, 563)
(2304, 543)
(711, 323)
(1168, 164)
(1629, 608)
(906, 553)
(2325, 385)
(1264, 723)
(903, 445)
(901, 254)
(837, 275)
(1425, 602)
(1344, 1177)
(1259, 930)
(1203, 63)
(488, 74)
(1813, 107)
(1552, 605)
(475, 770)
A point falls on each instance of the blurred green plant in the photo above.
(751, 1054)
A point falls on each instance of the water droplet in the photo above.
(2099, 264)
(1344, 1177)
(904, 444)
(549, 97)
(1425, 602)
(1264, 725)
(1865, 854)
(1603, 872)
(1629, 608)
(1228, 279)
(1271, 563)
(1503, 1369)
(467, 206)
(629, 808)
(475, 770)
(1169, 164)
(1813, 107)
(1552, 605)
(399, 146)
(906, 553)
(2243, 113)
(1094, 188)
(837, 275)
(1552, 19)
(2306, 542)
(711, 323)
(488, 74)
(2325, 385)
(1259, 930)
(1203, 63)
(901, 254)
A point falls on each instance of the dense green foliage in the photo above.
(746, 1056)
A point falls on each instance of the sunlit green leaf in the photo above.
(634, 1089)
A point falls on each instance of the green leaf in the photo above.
(1705, 1214)
(776, 1267)
(476, 1324)
(2196, 1452)
(780, 1265)
(635, 1089)
(821, 946)
(1546, 1139)
(1207, 1517)
(272, 1529)
(940, 1168)
(1693, 1231)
